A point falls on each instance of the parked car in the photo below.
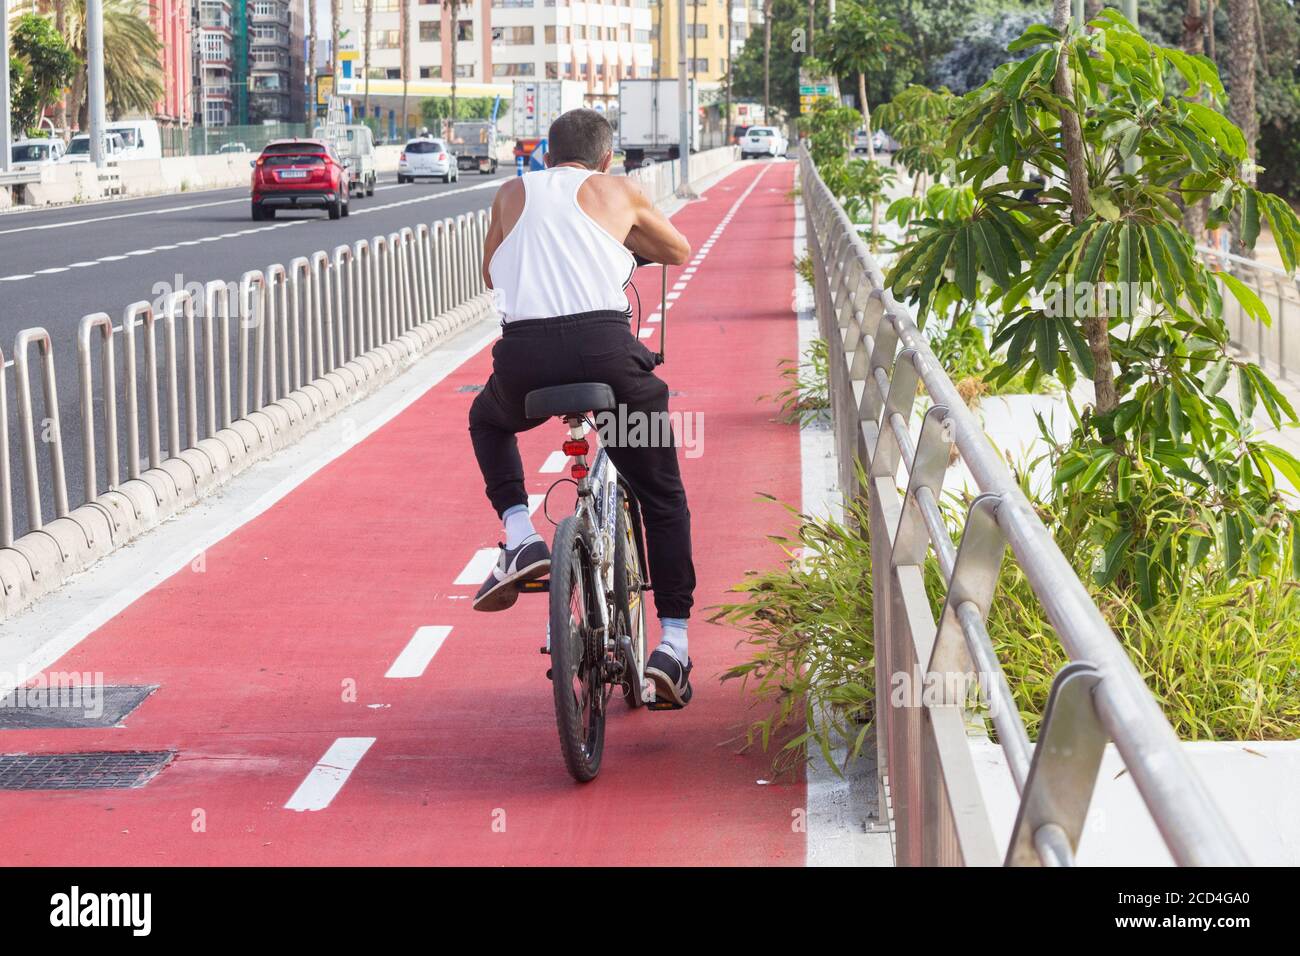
(31, 153)
(234, 148)
(79, 148)
(299, 174)
(762, 141)
(427, 158)
(140, 138)
(737, 134)
(861, 141)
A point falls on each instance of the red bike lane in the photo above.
(274, 650)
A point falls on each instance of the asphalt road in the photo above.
(57, 265)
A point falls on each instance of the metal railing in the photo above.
(1275, 346)
(929, 787)
(211, 382)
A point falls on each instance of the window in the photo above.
(430, 31)
(514, 36)
(386, 39)
(394, 73)
(579, 31)
(641, 36)
(700, 65)
(512, 3)
(552, 71)
(611, 33)
(554, 34)
(624, 32)
(426, 73)
(514, 69)
(465, 71)
(697, 30)
(428, 3)
(464, 29)
(380, 6)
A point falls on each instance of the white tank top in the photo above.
(557, 260)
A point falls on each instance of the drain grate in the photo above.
(70, 707)
(103, 770)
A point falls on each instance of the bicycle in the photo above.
(596, 634)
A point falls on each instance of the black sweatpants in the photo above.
(592, 347)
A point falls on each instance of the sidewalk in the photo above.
(331, 697)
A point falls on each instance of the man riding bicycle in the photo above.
(559, 255)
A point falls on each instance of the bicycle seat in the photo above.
(569, 400)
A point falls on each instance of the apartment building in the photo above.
(171, 23)
(276, 77)
(707, 48)
(498, 41)
(214, 63)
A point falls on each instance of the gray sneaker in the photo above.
(529, 561)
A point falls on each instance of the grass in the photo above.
(806, 393)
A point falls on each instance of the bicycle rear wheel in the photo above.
(629, 596)
(577, 669)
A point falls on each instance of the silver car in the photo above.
(427, 158)
(762, 141)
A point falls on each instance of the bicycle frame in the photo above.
(597, 513)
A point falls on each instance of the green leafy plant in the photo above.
(812, 667)
(1095, 277)
(806, 394)
(41, 65)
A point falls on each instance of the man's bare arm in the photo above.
(494, 235)
(652, 236)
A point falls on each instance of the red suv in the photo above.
(299, 174)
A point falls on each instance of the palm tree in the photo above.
(133, 80)
(767, 61)
(310, 13)
(454, 7)
(405, 43)
(335, 12)
(369, 27)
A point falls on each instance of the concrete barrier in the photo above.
(65, 183)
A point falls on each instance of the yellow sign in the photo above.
(347, 54)
(324, 89)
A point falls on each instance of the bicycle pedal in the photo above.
(544, 649)
(548, 674)
(537, 584)
(663, 705)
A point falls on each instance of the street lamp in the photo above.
(6, 150)
(95, 77)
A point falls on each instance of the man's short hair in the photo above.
(579, 136)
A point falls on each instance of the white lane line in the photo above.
(479, 567)
(82, 265)
(535, 502)
(554, 463)
(673, 296)
(419, 651)
(17, 278)
(678, 287)
(111, 258)
(50, 272)
(140, 252)
(655, 317)
(330, 774)
(646, 333)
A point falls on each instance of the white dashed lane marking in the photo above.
(330, 774)
(419, 651)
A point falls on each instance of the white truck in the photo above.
(535, 106)
(649, 121)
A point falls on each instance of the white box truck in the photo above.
(649, 121)
(536, 105)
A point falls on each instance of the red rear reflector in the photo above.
(578, 472)
(442, 156)
(402, 158)
(575, 447)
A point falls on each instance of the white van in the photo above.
(31, 153)
(79, 148)
(140, 138)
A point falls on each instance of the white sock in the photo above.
(519, 526)
(673, 638)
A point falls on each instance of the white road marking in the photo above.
(82, 265)
(654, 317)
(646, 333)
(330, 774)
(535, 502)
(673, 296)
(554, 463)
(678, 287)
(17, 278)
(419, 651)
(111, 258)
(50, 272)
(479, 567)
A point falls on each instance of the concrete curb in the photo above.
(42, 561)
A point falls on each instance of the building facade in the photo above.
(215, 63)
(275, 61)
(708, 52)
(172, 24)
(498, 41)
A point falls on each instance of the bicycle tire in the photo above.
(577, 675)
(627, 603)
